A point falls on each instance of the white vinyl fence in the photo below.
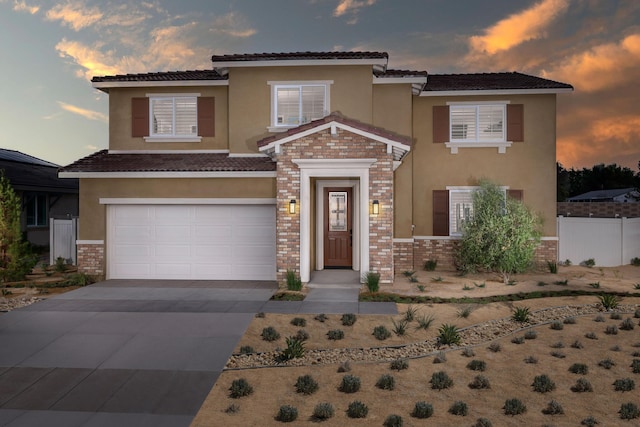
(609, 241)
(62, 239)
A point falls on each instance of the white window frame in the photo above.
(500, 143)
(453, 220)
(275, 85)
(172, 137)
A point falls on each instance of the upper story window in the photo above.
(173, 116)
(37, 210)
(297, 103)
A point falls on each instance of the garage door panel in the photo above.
(215, 242)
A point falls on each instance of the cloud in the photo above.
(518, 28)
(75, 15)
(92, 61)
(233, 25)
(21, 6)
(602, 66)
(351, 7)
(88, 114)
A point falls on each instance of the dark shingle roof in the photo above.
(601, 194)
(336, 116)
(490, 81)
(27, 173)
(102, 161)
(293, 56)
(162, 77)
(17, 156)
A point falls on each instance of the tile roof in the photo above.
(601, 194)
(338, 117)
(490, 81)
(162, 77)
(400, 73)
(293, 56)
(102, 161)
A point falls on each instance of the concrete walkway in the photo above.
(134, 353)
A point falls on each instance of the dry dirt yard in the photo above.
(509, 371)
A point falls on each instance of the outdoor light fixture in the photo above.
(292, 206)
(375, 207)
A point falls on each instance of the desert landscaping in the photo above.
(572, 361)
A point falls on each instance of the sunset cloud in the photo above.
(21, 6)
(518, 28)
(91, 60)
(234, 25)
(351, 7)
(75, 15)
(602, 66)
(87, 114)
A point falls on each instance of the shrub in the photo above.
(440, 381)
(553, 267)
(246, 349)
(344, 367)
(553, 408)
(372, 280)
(232, 409)
(468, 352)
(635, 261)
(627, 324)
(399, 328)
(558, 344)
(425, 321)
(530, 334)
(79, 279)
(589, 421)
(459, 408)
(599, 318)
(482, 422)
(582, 385)
(357, 409)
(606, 363)
(350, 384)
(323, 411)
(543, 384)
(321, 317)
(448, 335)
(517, 340)
(611, 330)
(557, 325)
(480, 382)
(531, 360)
(393, 420)
(591, 335)
(260, 315)
(564, 282)
(441, 357)
(240, 388)
(301, 335)
(293, 281)
(298, 321)
(626, 384)
(348, 319)
(399, 364)
(521, 314)
(430, 264)
(589, 262)
(477, 365)
(558, 354)
(615, 316)
(464, 312)
(577, 345)
(608, 301)
(629, 411)
(335, 334)
(579, 368)
(495, 347)
(305, 384)
(386, 382)
(381, 333)
(287, 414)
(636, 313)
(422, 410)
(635, 366)
(569, 321)
(270, 334)
(410, 313)
(294, 350)
(514, 407)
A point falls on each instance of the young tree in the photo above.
(501, 236)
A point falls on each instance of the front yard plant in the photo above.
(349, 384)
(323, 411)
(448, 335)
(422, 410)
(287, 414)
(357, 409)
(514, 407)
(240, 388)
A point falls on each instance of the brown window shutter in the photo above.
(206, 116)
(440, 212)
(440, 124)
(515, 122)
(516, 195)
(139, 117)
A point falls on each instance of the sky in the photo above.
(50, 50)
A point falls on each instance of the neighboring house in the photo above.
(619, 195)
(306, 161)
(43, 194)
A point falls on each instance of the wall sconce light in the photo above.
(375, 207)
(292, 206)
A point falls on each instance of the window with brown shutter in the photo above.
(440, 124)
(440, 212)
(515, 122)
(516, 194)
(206, 116)
(139, 117)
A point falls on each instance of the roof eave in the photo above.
(169, 174)
(105, 86)
(542, 91)
(382, 62)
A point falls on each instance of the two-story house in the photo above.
(306, 161)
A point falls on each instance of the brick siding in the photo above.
(599, 209)
(91, 259)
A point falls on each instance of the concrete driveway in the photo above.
(121, 353)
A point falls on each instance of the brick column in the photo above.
(91, 257)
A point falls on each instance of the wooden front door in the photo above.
(338, 230)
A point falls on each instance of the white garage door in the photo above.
(213, 242)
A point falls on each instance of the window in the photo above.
(174, 116)
(297, 104)
(460, 209)
(477, 123)
(37, 209)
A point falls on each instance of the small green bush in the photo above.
(372, 281)
(240, 388)
(582, 385)
(608, 301)
(629, 411)
(626, 384)
(590, 421)
(635, 261)
(615, 316)
(635, 366)
(599, 318)
(558, 344)
(357, 409)
(569, 321)
(348, 319)
(425, 321)
(579, 368)
(591, 335)
(294, 349)
(299, 321)
(430, 264)
(344, 367)
(232, 409)
(79, 279)
(530, 334)
(553, 267)
(557, 325)
(335, 334)
(448, 335)
(553, 408)
(400, 327)
(321, 317)
(323, 411)
(393, 420)
(381, 333)
(440, 381)
(480, 382)
(294, 283)
(636, 313)
(441, 357)
(410, 313)
(422, 410)
(514, 407)
(349, 384)
(517, 340)
(399, 364)
(246, 349)
(530, 360)
(611, 330)
(577, 345)
(459, 408)
(495, 347)
(606, 363)
(386, 382)
(305, 384)
(301, 335)
(543, 384)
(468, 352)
(558, 354)
(270, 334)
(465, 312)
(287, 414)
(521, 314)
(627, 324)
(477, 365)
(482, 422)
(589, 262)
